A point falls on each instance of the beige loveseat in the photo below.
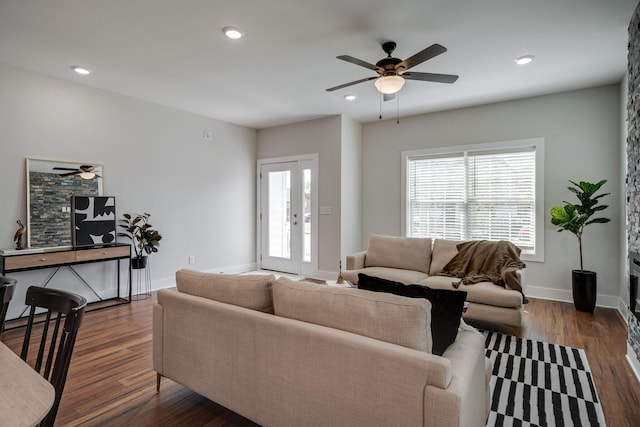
(285, 353)
(416, 261)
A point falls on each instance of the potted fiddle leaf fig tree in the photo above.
(145, 239)
(574, 217)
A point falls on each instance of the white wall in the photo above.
(351, 194)
(582, 142)
(321, 136)
(200, 193)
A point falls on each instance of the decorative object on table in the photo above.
(145, 239)
(17, 238)
(93, 220)
(340, 279)
(574, 218)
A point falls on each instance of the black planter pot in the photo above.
(139, 263)
(585, 289)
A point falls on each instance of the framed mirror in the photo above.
(50, 185)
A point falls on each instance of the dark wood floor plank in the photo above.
(111, 382)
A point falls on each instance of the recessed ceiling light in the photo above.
(80, 70)
(523, 60)
(350, 97)
(232, 32)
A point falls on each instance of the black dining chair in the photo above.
(7, 287)
(57, 344)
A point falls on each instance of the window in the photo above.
(485, 191)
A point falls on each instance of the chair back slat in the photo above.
(58, 344)
(27, 333)
(52, 347)
(43, 342)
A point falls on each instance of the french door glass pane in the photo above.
(306, 207)
(280, 214)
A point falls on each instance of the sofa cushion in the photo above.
(408, 253)
(443, 251)
(390, 318)
(446, 307)
(481, 293)
(250, 291)
(399, 275)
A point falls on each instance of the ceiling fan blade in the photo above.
(65, 169)
(361, 63)
(431, 77)
(420, 57)
(69, 173)
(388, 96)
(331, 89)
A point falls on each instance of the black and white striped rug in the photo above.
(535, 383)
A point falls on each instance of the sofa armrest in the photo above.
(356, 261)
(469, 385)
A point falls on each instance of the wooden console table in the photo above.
(57, 258)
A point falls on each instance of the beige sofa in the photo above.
(417, 261)
(285, 353)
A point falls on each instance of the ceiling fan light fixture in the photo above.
(87, 175)
(389, 84)
(350, 97)
(524, 60)
(232, 32)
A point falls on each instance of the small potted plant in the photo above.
(574, 218)
(145, 239)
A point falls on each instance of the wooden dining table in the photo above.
(25, 396)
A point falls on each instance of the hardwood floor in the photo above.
(111, 381)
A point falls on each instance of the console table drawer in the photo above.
(39, 260)
(102, 253)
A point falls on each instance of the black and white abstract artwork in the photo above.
(93, 220)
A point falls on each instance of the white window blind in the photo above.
(474, 195)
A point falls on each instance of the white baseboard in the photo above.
(633, 361)
(547, 293)
(605, 301)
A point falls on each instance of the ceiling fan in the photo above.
(392, 72)
(85, 171)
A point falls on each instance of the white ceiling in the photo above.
(172, 52)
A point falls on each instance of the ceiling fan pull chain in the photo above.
(380, 100)
(398, 108)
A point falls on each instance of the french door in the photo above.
(286, 221)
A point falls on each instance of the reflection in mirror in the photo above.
(50, 185)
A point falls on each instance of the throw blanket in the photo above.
(486, 261)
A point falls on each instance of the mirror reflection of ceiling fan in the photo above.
(392, 72)
(85, 171)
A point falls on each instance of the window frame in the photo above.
(538, 143)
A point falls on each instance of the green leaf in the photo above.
(575, 217)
